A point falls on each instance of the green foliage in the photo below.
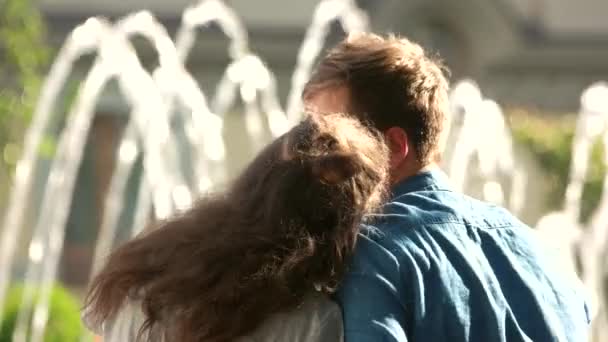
(24, 58)
(549, 138)
(64, 318)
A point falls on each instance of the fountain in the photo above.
(204, 133)
(170, 96)
(115, 59)
(165, 187)
(592, 124)
(82, 40)
(475, 122)
(246, 72)
(573, 240)
(350, 17)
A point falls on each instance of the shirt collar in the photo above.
(433, 179)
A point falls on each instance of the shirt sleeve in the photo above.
(370, 296)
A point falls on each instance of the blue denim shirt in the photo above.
(440, 266)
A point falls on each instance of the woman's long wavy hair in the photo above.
(285, 228)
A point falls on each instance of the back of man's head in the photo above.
(391, 82)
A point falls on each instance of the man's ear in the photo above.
(335, 168)
(396, 139)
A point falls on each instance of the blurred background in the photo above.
(534, 58)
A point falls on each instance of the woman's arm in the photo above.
(318, 319)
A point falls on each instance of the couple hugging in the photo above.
(345, 229)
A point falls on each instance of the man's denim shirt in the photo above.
(440, 266)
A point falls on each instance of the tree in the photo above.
(64, 318)
(24, 55)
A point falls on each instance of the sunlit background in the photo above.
(109, 122)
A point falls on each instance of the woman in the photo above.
(255, 263)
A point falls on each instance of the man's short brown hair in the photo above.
(391, 82)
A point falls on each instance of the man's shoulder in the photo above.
(443, 207)
(410, 220)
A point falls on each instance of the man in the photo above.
(437, 265)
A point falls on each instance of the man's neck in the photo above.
(410, 170)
